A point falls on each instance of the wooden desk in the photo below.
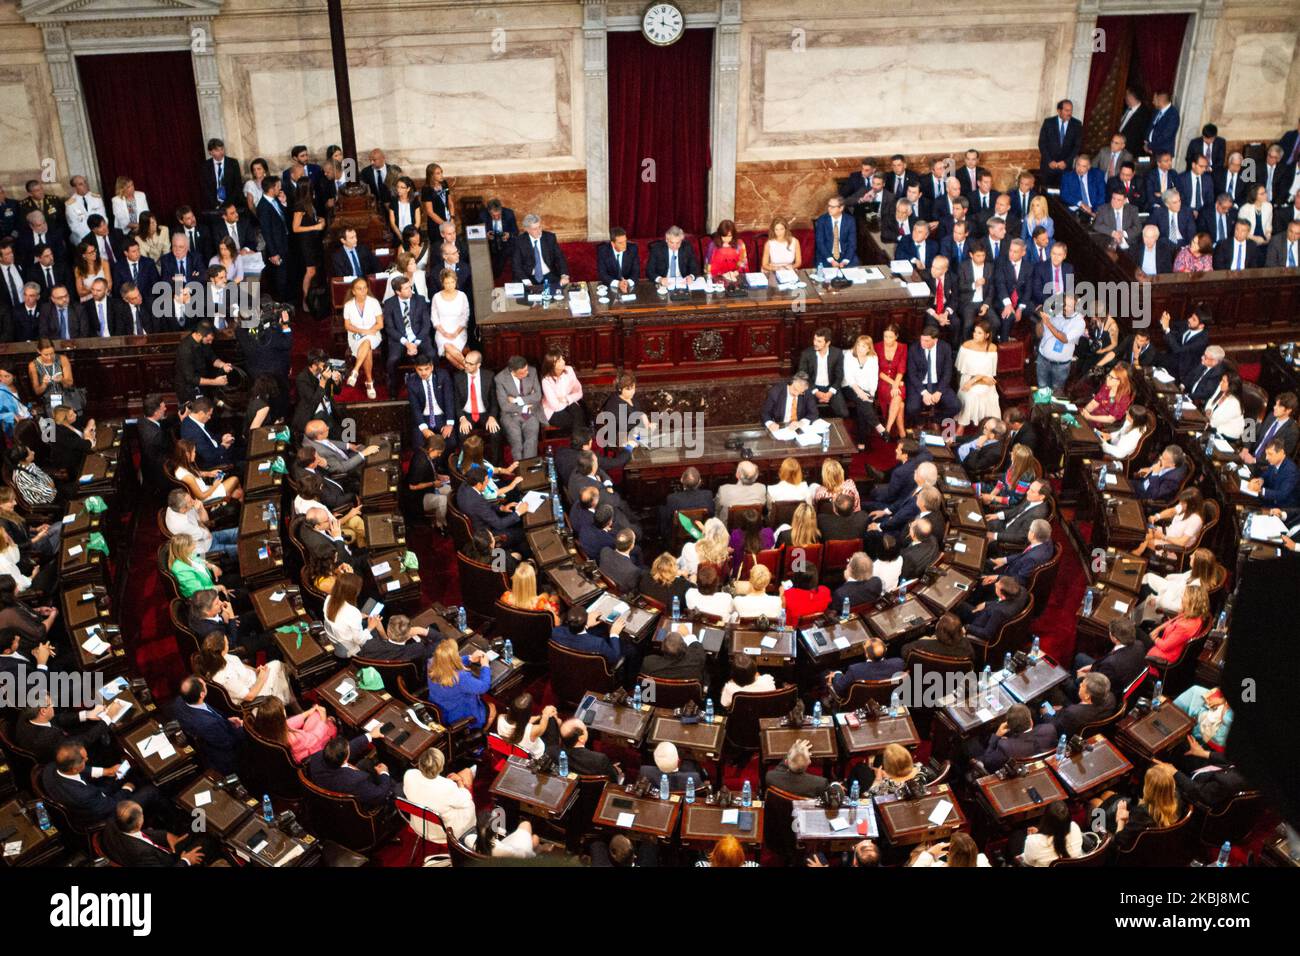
(255, 521)
(775, 648)
(394, 582)
(385, 531)
(700, 741)
(871, 736)
(77, 560)
(953, 479)
(967, 552)
(1009, 801)
(281, 849)
(504, 676)
(948, 589)
(419, 740)
(262, 443)
(572, 585)
(815, 828)
(840, 641)
(1153, 735)
(110, 661)
(157, 770)
(650, 816)
(1122, 571)
(901, 622)
(274, 613)
(223, 811)
(306, 655)
(969, 716)
(776, 738)
(260, 481)
(37, 847)
(261, 559)
(83, 605)
(139, 707)
(1121, 523)
(357, 713)
(543, 794)
(704, 824)
(614, 722)
(379, 482)
(1109, 605)
(97, 471)
(907, 822)
(711, 636)
(1099, 763)
(547, 544)
(967, 514)
(1035, 680)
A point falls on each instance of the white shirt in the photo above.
(864, 374)
(188, 523)
(534, 746)
(756, 605)
(761, 684)
(977, 273)
(347, 630)
(1040, 851)
(1126, 442)
(717, 604)
(888, 572)
(823, 377)
(452, 802)
(1074, 329)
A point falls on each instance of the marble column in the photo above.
(1196, 70)
(77, 144)
(207, 87)
(1076, 88)
(595, 107)
(724, 113)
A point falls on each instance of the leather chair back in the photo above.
(480, 585)
(529, 631)
(339, 817)
(1159, 846)
(574, 673)
(672, 693)
(747, 707)
(268, 767)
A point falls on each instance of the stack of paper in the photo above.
(787, 276)
(901, 267)
(535, 499)
(756, 280)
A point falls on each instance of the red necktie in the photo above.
(938, 296)
(473, 397)
(1057, 285)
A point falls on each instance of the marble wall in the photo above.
(31, 146)
(1253, 89)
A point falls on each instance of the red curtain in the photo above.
(144, 119)
(659, 111)
(1158, 38)
(1117, 31)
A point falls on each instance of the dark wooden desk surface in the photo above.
(776, 738)
(949, 589)
(1035, 681)
(157, 769)
(907, 822)
(281, 849)
(968, 551)
(544, 793)
(615, 722)
(1123, 571)
(768, 452)
(1153, 734)
(844, 641)
(699, 740)
(898, 621)
(775, 648)
(1098, 764)
(37, 846)
(651, 816)
(418, 741)
(874, 735)
(273, 613)
(1009, 800)
(967, 513)
(222, 812)
(702, 824)
(357, 713)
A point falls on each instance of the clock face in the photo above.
(663, 24)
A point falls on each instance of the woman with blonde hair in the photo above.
(782, 249)
(523, 592)
(1160, 806)
(664, 581)
(128, 206)
(790, 485)
(752, 599)
(715, 541)
(861, 382)
(1011, 488)
(363, 320)
(896, 768)
(1038, 216)
(1167, 590)
(304, 734)
(834, 484)
(192, 572)
(457, 683)
(803, 529)
(1170, 639)
(450, 315)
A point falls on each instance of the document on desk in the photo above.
(1267, 528)
(1161, 376)
(787, 277)
(626, 820)
(698, 284)
(784, 434)
(95, 646)
(292, 855)
(579, 303)
(820, 427)
(860, 274)
(756, 280)
(514, 288)
(1247, 490)
(535, 499)
(1222, 446)
(730, 817)
(806, 438)
(918, 290)
(940, 812)
(839, 822)
(901, 267)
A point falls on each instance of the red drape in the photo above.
(659, 111)
(1116, 31)
(1158, 39)
(144, 119)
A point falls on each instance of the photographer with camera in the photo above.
(198, 369)
(267, 345)
(317, 384)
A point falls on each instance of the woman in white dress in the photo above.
(244, 684)
(258, 170)
(861, 380)
(1166, 598)
(782, 249)
(1258, 211)
(1224, 407)
(183, 464)
(128, 203)
(1121, 443)
(363, 318)
(977, 361)
(450, 319)
(405, 264)
(345, 625)
(1182, 523)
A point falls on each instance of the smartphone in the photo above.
(1034, 795)
(257, 842)
(401, 738)
(387, 728)
(372, 608)
(621, 803)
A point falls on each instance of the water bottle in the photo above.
(989, 697)
(1060, 748)
(746, 795)
(267, 813)
(42, 815)
(562, 765)
(895, 703)
(690, 789)
(550, 464)
(855, 793)
(1101, 478)
(1036, 650)
(546, 293)
(902, 595)
(708, 710)
(1155, 695)
(780, 620)
(557, 506)
(821, 273)
(1223, 621)
(1178, 408)
(508, 651)
(817, 714)
(844, 610)
(677, 608)
(1223, 854)
(1006, 662)
(461, 622)
(663, 786)
(826, 441)
(636, 697)
(275, 515)
(1087, 602)
(266, 514)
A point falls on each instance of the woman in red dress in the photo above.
(890, 393)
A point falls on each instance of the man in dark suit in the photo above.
(1124, 663)
(983, 201)
(835, 237)
(899, 176)
(502, 520)
(986, 450)
(155, 443)
(38, 232)
(218, 738)
(92, 319)
(875, 200)
(1238, 253)
(48, 273)
(380, 177)
(945, 299)
(209, 612)
(1083, 188)
(138, 269)
(789, 405)
(1231, 179)
(1209, 146)
(582, 759)
(1203, 381)
(896, 225)
(322, 538)
(272, 220)
(617, 261)
(219, 179)
(1159, 180)
(408, 330)
(929, 377)
(692, 495)
(475, 402)
(909, 454)
(210, 452)
(1196, 186)
(791, 775)
(1059, 140)
(1096, 702)
(1154, 255)
(1280, 424)
(842, 522)
(1013, 287)
(1211, 786)
(538, 257)
(183, 265)
(1161, 480)
(197, 367)
(860, 585)
(1135, 121)
(1118, 221)
(23, 323)
(597, 536)
(88, 801)
(858, 182)
(1185, 341)
(1015, 739)
(669, 764)
(673, 259)
(823, 363)
(1136, 349)
(676, 661)
(1284, 248)
(127, 842)
(1162, 135)
(580, 632)
(918, 248)
(196, 234)
(1053, 276)
(1022, 564)
(1278, 483)
(619, 563)
(1010, 527)
(432, 401)
(921, 551)
(875, 666)
(399, 642)
(1128, 184)
(242, 232)
(499, 221)
(334, 768)
(315, 386)
(567, 456)
(41, 730)
(1218, 219)
(352, 258)
(985, 619)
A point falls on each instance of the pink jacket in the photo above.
(309, 732)
(559, 394)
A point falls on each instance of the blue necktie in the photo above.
(1083, 181)
(1238, 264)
(221, 186)
(1290, 255)
(537, 261)
(356, 263)
(1268, 436)
(181, 267)
(63, 324)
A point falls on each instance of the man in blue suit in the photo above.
(789, 404)
(617, 261)
(836, 236)
(273, 222)
(1059, 140)
(1162, 136)
(68, 781)
(133, 266)
(1022, 564)
(929, 377)
(909, 453)
(1185, 341)
(1238, 252)
(1084, 189)
(598, 534)
(1196, 186)
(209, 451)
(918, 248)
(1219, 219)
(218, 738)
(1278, 485)
(182, 265)
(433, 402)
(1176, 223)
(1160, 481)
(1053, 277)
(503, 521)
(408, 331)
(501, 226)
(577, 635)
(334, 769)
(1159, 179)
(1013, 288)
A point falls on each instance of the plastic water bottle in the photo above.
(1060, 748)
(895, 703)
(508, 651)
(845, 613)
(746, 795)
(42, 815)
(1155, 696)
(690, 789)
(1006, 662)
(1087, 602)
(817, 714)
(550, 464)
(267, 813)
(821, 273)
(557, 506)
(1223, 854)
(780, 620)
(1101, 478)
(275, 515)
(1223, 621)
(663, 786)
(1036, 650)
(826, 441)
(708, 710)
(636, 697)
(902, 595)
(1178, 408)
(462, 623)
(677, 608)
(562, 765)
(855, 793)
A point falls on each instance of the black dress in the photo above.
(440, 201)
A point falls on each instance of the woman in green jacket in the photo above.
(191, 571)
